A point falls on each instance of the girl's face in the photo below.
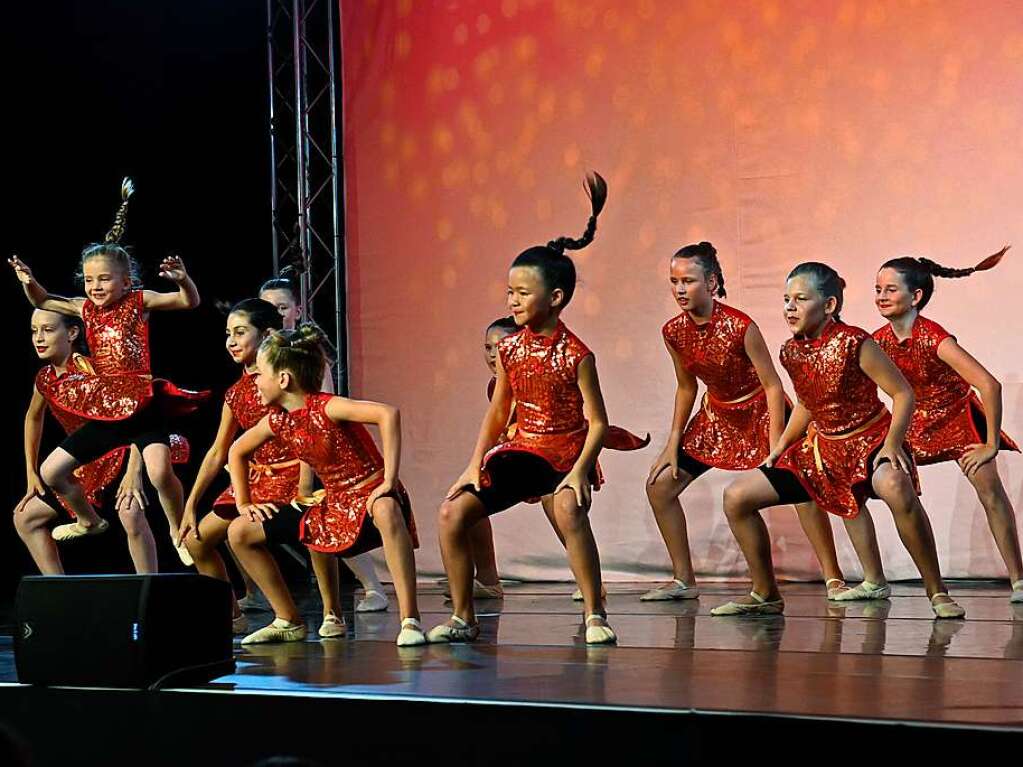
(106, 283)
(286, 304)
(891, 296)
(51, 338)
(529, 300)
(690, 285)
(493, 338)
(243, 338)
(269, 382)
(806, 309)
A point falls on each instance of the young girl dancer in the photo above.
(840, 446)
(742, 414)
(950, 423)
(281, 292)
(57, 339)
(122, 402)
(327, 433)
(551, 378)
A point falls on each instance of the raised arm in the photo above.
(882, 371)
(37, 295)
(756, 350)
(185, 297)
(977, 376)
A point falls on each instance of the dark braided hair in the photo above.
(707, 255)
(111, 248)
(919, 273)
(827, 281)
(300, 352)
(556, 269)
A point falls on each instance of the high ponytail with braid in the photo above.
(919, 273)
(111, 248)
(556, 268)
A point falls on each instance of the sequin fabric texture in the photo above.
(947, 410)
(723, 433)
(97, 475)
(269, 481)
(346, 460)
(849, 422)
(118, 337)
(542, 372)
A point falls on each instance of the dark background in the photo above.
(174, 94)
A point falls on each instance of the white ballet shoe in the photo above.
(947, 609)
(254, 600)
(374, 602)
(759, 606)
(577, 595)
(278, 631)
(675, 590)
(834, 591)
(182, 552)
(458, 631)
(333, 627)
(73, 530)
(600, 632)
(1017, 592)
(864, 590)
(411, 634)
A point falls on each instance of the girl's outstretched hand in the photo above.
(173, 269)
(21, 270)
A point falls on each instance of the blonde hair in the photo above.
(299, 352)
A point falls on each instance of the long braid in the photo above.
(937, 270)
(919, 273)
(596, 190)
(121, 218)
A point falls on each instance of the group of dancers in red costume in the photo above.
(282, 431)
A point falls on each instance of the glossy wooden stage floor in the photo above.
(884, 660)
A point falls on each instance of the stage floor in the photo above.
(867, 661)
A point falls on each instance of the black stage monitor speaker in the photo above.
(123, 630)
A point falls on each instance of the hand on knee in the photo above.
(663, 490)
(895, 488)
(244, 533)
(133, 520)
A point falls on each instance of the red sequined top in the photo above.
(943, 423)
(248, 409)
(96, 475)
(274, 470)
(715, 351)
(732, 428)
(829, 382)
(346, 460)
(543, 374)
(118, 336)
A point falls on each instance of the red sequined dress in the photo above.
(274, 469)
(543, 374)
(849, 422)
(347, 461)
(118, 338)
(948, 411)
(97, 475)
(732, 429)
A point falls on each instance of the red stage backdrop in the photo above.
(848, 132)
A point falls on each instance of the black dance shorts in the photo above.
(95, 439)
(516, 477)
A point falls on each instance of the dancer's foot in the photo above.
(945, 607)
(411, 634)
(677, 589)
(1017, 592)
(755, 605)
(577, 595)
(278, 631)
(374, 602)
(599, 631)
(73, 530)
(864, 590)
(455, 630)
(333, 627)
